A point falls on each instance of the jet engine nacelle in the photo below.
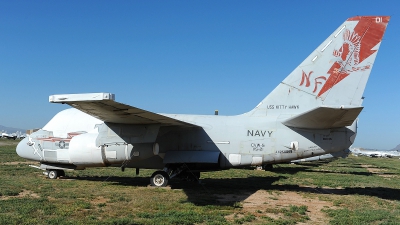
(83, 151)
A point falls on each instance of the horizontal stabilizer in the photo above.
(325, 118)
(103, 107)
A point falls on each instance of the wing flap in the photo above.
(104, 107)
(324, 118)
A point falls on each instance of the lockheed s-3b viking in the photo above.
(312, 112)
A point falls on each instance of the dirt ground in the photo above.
(24, 193)
(259, 202)
(372, 169)
(5, 142)
(378, 171)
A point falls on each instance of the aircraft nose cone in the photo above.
(26, 151)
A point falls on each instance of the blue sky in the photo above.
(181, 56)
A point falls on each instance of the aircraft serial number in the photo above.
(284, 151)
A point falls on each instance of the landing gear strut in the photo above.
(189, 176)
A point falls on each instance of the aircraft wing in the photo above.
(325, 117)
(104, 107)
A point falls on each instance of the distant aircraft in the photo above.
(21, 136)
(374, 153)
(9, 136)
(311, 112)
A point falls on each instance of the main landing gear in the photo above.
(53, 174)
(162, 177)
(267, 167)
(159, 179)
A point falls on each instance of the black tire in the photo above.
(159, 179)
(268, 167)
(61, 173)
(52, 174)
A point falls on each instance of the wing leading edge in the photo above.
(104, 107)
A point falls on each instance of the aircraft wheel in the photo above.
(159, 179)
(53, 174)
(61, 173)
(268, 167)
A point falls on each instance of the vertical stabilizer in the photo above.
(334, 74)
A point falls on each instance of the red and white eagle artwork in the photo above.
(358, 45)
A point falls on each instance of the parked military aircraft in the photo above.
(311, 112)
(374, 153)
(9, 136)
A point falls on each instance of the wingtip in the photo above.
(81, 97)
